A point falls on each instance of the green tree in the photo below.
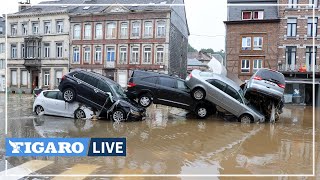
(191, 49)
(209, 50)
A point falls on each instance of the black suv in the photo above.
(150, 87)
(100, 93)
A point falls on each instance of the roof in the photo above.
(218, 57)
(91, 9)
(195, 62)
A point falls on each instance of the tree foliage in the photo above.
(191, 49)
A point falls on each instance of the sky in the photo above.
(205, 20)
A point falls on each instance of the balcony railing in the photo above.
(32, 62)
(297, 68)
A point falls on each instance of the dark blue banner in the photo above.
(108, 147)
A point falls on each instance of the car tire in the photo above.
(38, 110)
(69, 95)
(202, 112)
(145, 100)
(246, 117)
(198, 94)
(79, 114)
(118, 115)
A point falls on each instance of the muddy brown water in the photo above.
(171, 142)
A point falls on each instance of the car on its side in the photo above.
(222, 92)
(264, 89)
(158, 88)
(50, 102)
(101, 93)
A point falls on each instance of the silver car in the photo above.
(224, 93)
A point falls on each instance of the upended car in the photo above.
(265, 90)
(222, 92)
(50, 102)
(102, 94)
(158, 88)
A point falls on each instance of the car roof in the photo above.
(212, 75)
(97, 75)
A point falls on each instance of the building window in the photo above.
(59, 50)
(13, 29)
(87, 31)
(24, 28)
(46, 78)
(76, 55)
(291, 57)
(257, 43)
(59, 27)
(292, 3)
(246, 15)
(24, 78)
(312, 27)
(110, 54)
(135, 29)
(258, 15)
(292, 27)
(148, 29)
(1, 30)
(23, 52)
(47, 27)
(76, 31)
(2, 48)
(160, 54)
(161, 28)
(111, 30)
(98, 31)
(98, 54)
(58, 77)
(310, 56)
(123, 55)
(245, 66)
(124, 30)
(147, 55)
(135, 55)
(2, 64)
(246, 43)
(13, 51)
(87, 54)
(313, 3)
(13, 78)
(35, 28)
(257, 64)
(46, 50)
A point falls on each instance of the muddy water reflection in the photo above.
(172, 143)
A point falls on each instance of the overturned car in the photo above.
(102, 94)
(265, 91)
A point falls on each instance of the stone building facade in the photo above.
(251, 41)
(2, 54)
(38, 48)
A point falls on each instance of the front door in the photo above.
(35, 79)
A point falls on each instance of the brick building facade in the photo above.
(251, 41)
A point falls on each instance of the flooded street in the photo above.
(171, 142)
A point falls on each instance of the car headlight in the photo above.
(134, 112)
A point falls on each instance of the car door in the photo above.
(184, 97)
(233, 101)
(66, 108)
(54, 106)
(103, 95)
(167, 92)
(215, 94)
(87, 91)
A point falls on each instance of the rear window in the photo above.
(90, 80)
(79, 76)
(271, 75)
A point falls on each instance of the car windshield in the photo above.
(118, 91)
(242, 96)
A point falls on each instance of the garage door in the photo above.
(122, 78)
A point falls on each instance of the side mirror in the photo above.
(110, 96)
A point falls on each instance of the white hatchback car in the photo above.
(50, 102)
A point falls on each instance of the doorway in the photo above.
(35, 79)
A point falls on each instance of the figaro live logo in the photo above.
(66, 147)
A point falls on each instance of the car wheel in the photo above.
(202, 112)
(69, 95)
(39, 110)
(246, 118)
(118, 115)
(79, 114)
(198, 94)
(145, 100)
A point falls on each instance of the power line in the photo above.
(207, 35)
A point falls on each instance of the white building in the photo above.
(38, 48)
(2, 55)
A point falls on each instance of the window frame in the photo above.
(59, 26)
(123, 54)
(14, 29)
(161, 28)
(248, 39)
(148, 29)
(98, 33)
(97, 54)
(22, 82)
(14, 51)
(46, 50)
(258, 47)
(312, 28)
(244, 69)
(86, 54)
(149, 54)
(77, 31)
(87, 29)
(47, 28)
(46, 75)
(24, 27)
(122, 29)
(135, 55)
(76, 55)
(292, 26)
(242, 13)
(35, 28)
(136, 28)
(111, 31)
(113, 51)
(160, 52)
(254, 68)
(293, 51)
(59, 46)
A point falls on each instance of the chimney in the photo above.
(23, 5)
